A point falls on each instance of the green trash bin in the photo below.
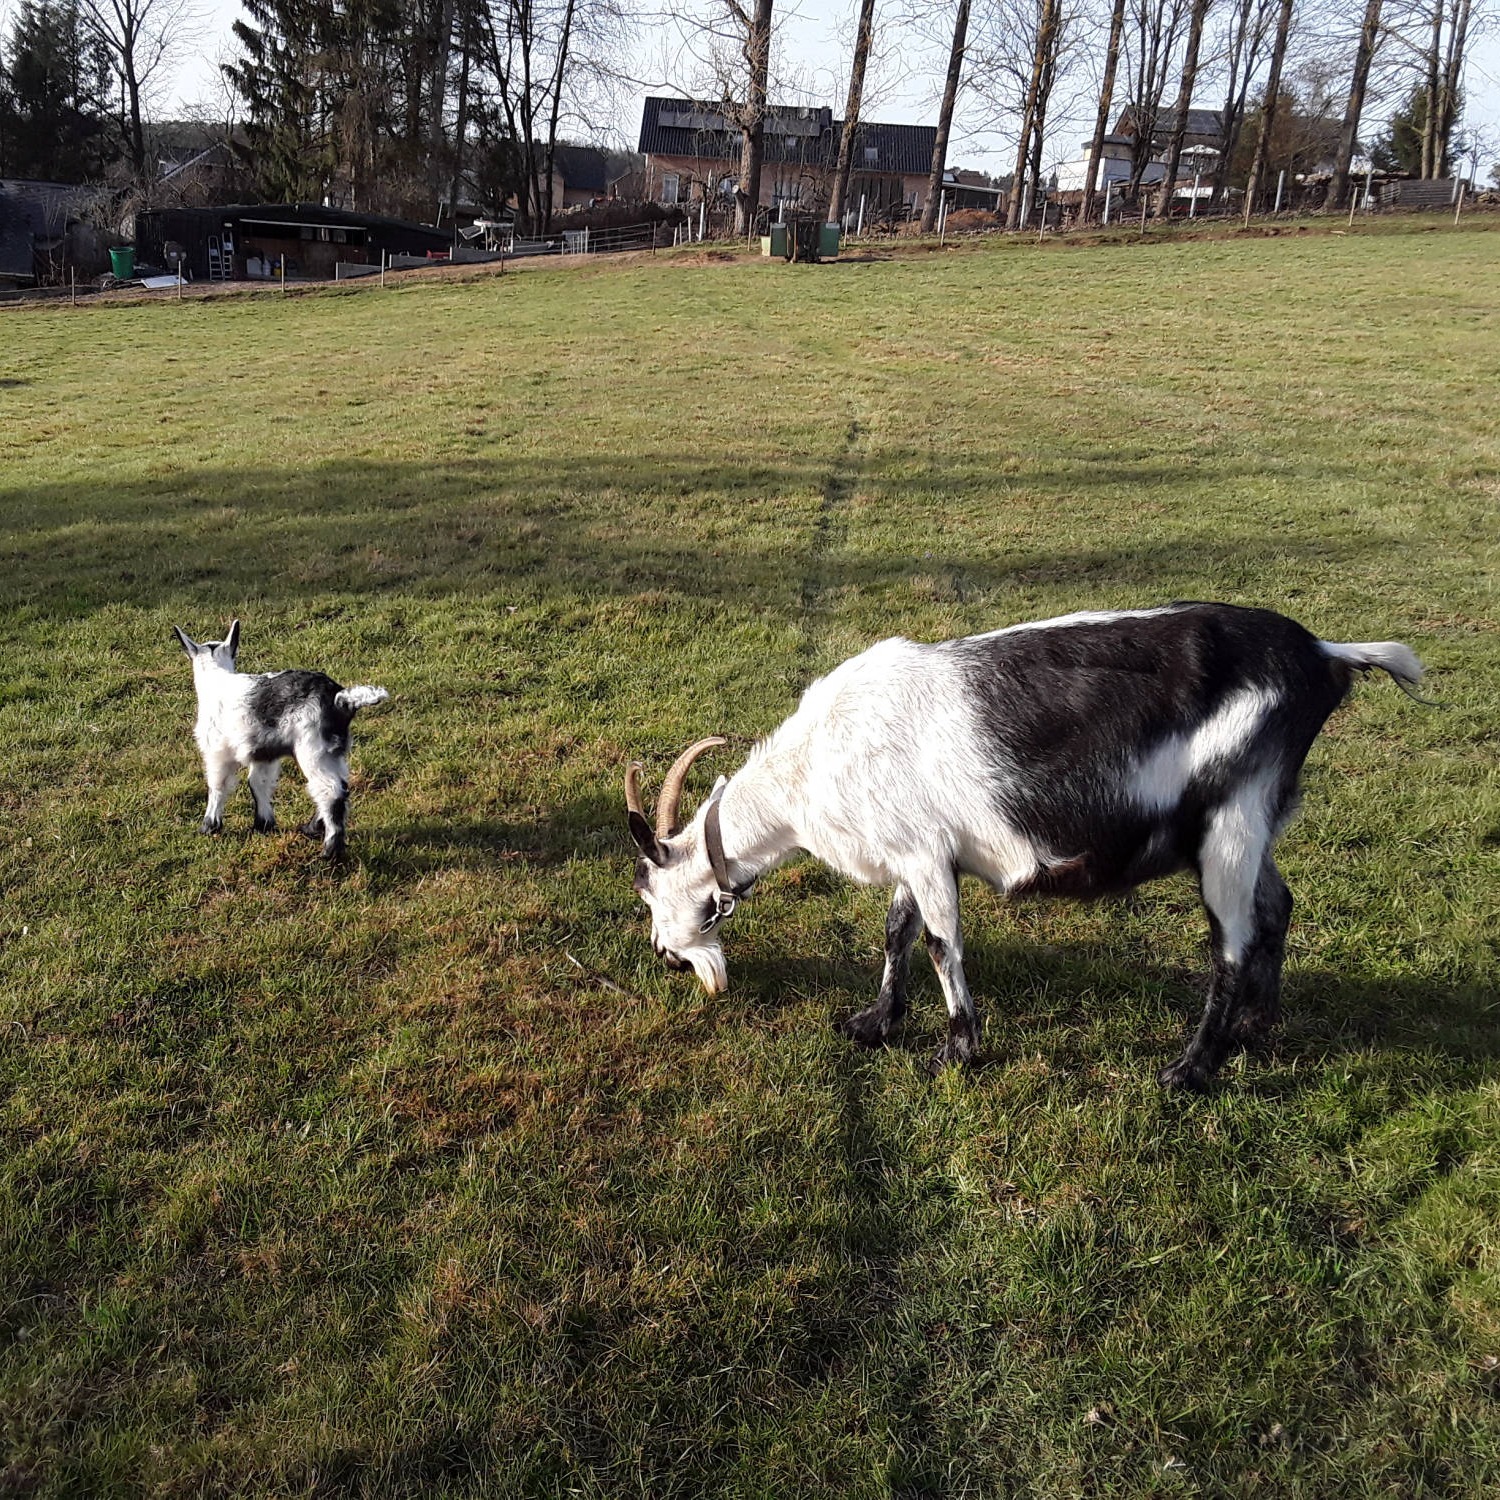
(122, 262)
(828, 242)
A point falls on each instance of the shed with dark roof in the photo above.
(43, 233)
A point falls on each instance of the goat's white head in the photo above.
(676, 878)
(211, 653)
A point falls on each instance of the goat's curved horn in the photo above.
(671, 788)
(633, 801)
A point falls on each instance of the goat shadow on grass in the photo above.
(590, 826)
(1327, 1014)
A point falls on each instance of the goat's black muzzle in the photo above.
(675, 964)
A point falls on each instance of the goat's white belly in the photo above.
(1001, 856)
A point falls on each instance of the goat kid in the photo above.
(255, 720)
(1074, 757)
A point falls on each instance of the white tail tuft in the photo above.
(351, 699)
(1390, 656)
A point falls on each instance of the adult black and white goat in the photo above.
(1070, 757)
(257, 719)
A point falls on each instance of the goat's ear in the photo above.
(232, 640)
(187, 642)
(645, 839)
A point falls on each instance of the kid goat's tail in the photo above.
(351, 699)
(1390, 656)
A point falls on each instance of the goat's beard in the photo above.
(708, 964)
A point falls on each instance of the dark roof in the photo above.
(1206, 122)
(583, 167)
(797, 135)
(29, 210)
(303, 213)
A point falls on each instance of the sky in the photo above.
(813, 56)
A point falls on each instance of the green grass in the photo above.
(423, 1175)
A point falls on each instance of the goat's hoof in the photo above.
(1184, 1075)
(312, 829)
(867, 1029)
(211, 825)
(265, 825)
(333, 850)
(1255, 1028)
(961, 1050)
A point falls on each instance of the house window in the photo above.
(669, 186)
(872, 155)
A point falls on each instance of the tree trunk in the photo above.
(1016, 209)
(1101, 120)
(1245, 49)
(945, 118)
(753, 124)
(437, 96)
(851, 111)
(1184, 98)
(461, 122)
(1338, 187)
(1268, 109)
(1429, 121)
(564, 42)
(1452, 71)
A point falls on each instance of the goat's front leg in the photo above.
(872, 1027)
(938, 900)
(264, 775)
(221, 770)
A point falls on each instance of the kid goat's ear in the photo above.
(188, 643)
(233, 639)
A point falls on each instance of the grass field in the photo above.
(422, 1174)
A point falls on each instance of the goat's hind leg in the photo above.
(328, 786)
(938, 900)
(872, 1027)
(1248, 911)
(264, 775)
(1259, 1011)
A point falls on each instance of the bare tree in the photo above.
(757, 55)
(1445, 115)
(945, 117)
(1101, 117)
(544, 59)
(1152, 30)
(1364, 56)
(1247, 27)
(1269, 108)
(1184, 99)
(142, 39)
(852, 108)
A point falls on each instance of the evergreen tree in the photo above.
(280, 78)
(54, 97)
(1399, 148)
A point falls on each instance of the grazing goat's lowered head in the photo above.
(681, 874)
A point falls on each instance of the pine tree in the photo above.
(280, 77)
(54, 101)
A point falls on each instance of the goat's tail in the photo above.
(1390, 656)
(352, 699)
